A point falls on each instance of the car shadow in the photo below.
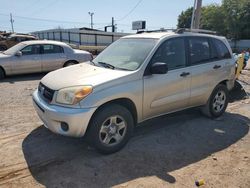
(159, 146)
(24, 77)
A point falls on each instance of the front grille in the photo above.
(46, 92)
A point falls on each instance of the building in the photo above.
(80, 36)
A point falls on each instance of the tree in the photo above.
(212, 18)
(184, 19)
(231, 19)
(237, 16)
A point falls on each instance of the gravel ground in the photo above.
(169, 151)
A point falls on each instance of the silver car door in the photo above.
(207, 69)
(29, 61)
(53, 57)
(168, 92)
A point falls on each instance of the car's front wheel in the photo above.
(217, 102)
(110, 128)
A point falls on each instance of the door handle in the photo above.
(184, 74)
(216, 67)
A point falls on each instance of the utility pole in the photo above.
(11, 22)
(195, 22)
(91, 19)
(113, 25)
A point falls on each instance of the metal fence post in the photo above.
(53, 35)
(95, 39)
(69, 36)
(80, 39)
(61, 36)
(112, 38)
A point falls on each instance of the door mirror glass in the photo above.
(19, 53)
(159, 68)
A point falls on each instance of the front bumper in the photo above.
(53, 115)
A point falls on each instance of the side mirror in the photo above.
(159, 68)
(18, 54)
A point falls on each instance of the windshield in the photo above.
(127, 54)
(14, 49)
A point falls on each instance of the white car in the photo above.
(39, 56)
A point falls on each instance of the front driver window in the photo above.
(31, 50)
(171, 52)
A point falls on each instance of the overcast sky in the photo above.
(33, 15)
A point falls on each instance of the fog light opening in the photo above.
(64, 126)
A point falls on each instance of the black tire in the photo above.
(69, 63)
(100, 122)
(2, 75)
(212, 109)
(3, 48)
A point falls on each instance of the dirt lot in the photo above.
(170, 151)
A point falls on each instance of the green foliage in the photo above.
(213, 18)
(184, 19)
(231, 19)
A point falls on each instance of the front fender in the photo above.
(131, 90)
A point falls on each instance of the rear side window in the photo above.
(171, 52)
(221, 48)
(199, 50)
(51, 49)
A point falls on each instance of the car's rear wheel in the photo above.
(69, 63)
(2, 74)
(217, 102)
(110, 128)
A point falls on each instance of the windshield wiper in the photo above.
(119, 68)
(107, 65)
(93, 63)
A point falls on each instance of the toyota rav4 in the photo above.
(136, 78)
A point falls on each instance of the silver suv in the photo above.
(136, 78)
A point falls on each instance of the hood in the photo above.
(81, 74)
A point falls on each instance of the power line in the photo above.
(49, 20)
(45, 7)
(137, 4)
(44, 20)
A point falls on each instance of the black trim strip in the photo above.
(39, 106)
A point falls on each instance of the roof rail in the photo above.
(151, 31)
(182, 30)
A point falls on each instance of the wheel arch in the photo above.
(1, 68)
(125, 102)
(71, 60)
(225, 83)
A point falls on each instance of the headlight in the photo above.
(73, 95)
